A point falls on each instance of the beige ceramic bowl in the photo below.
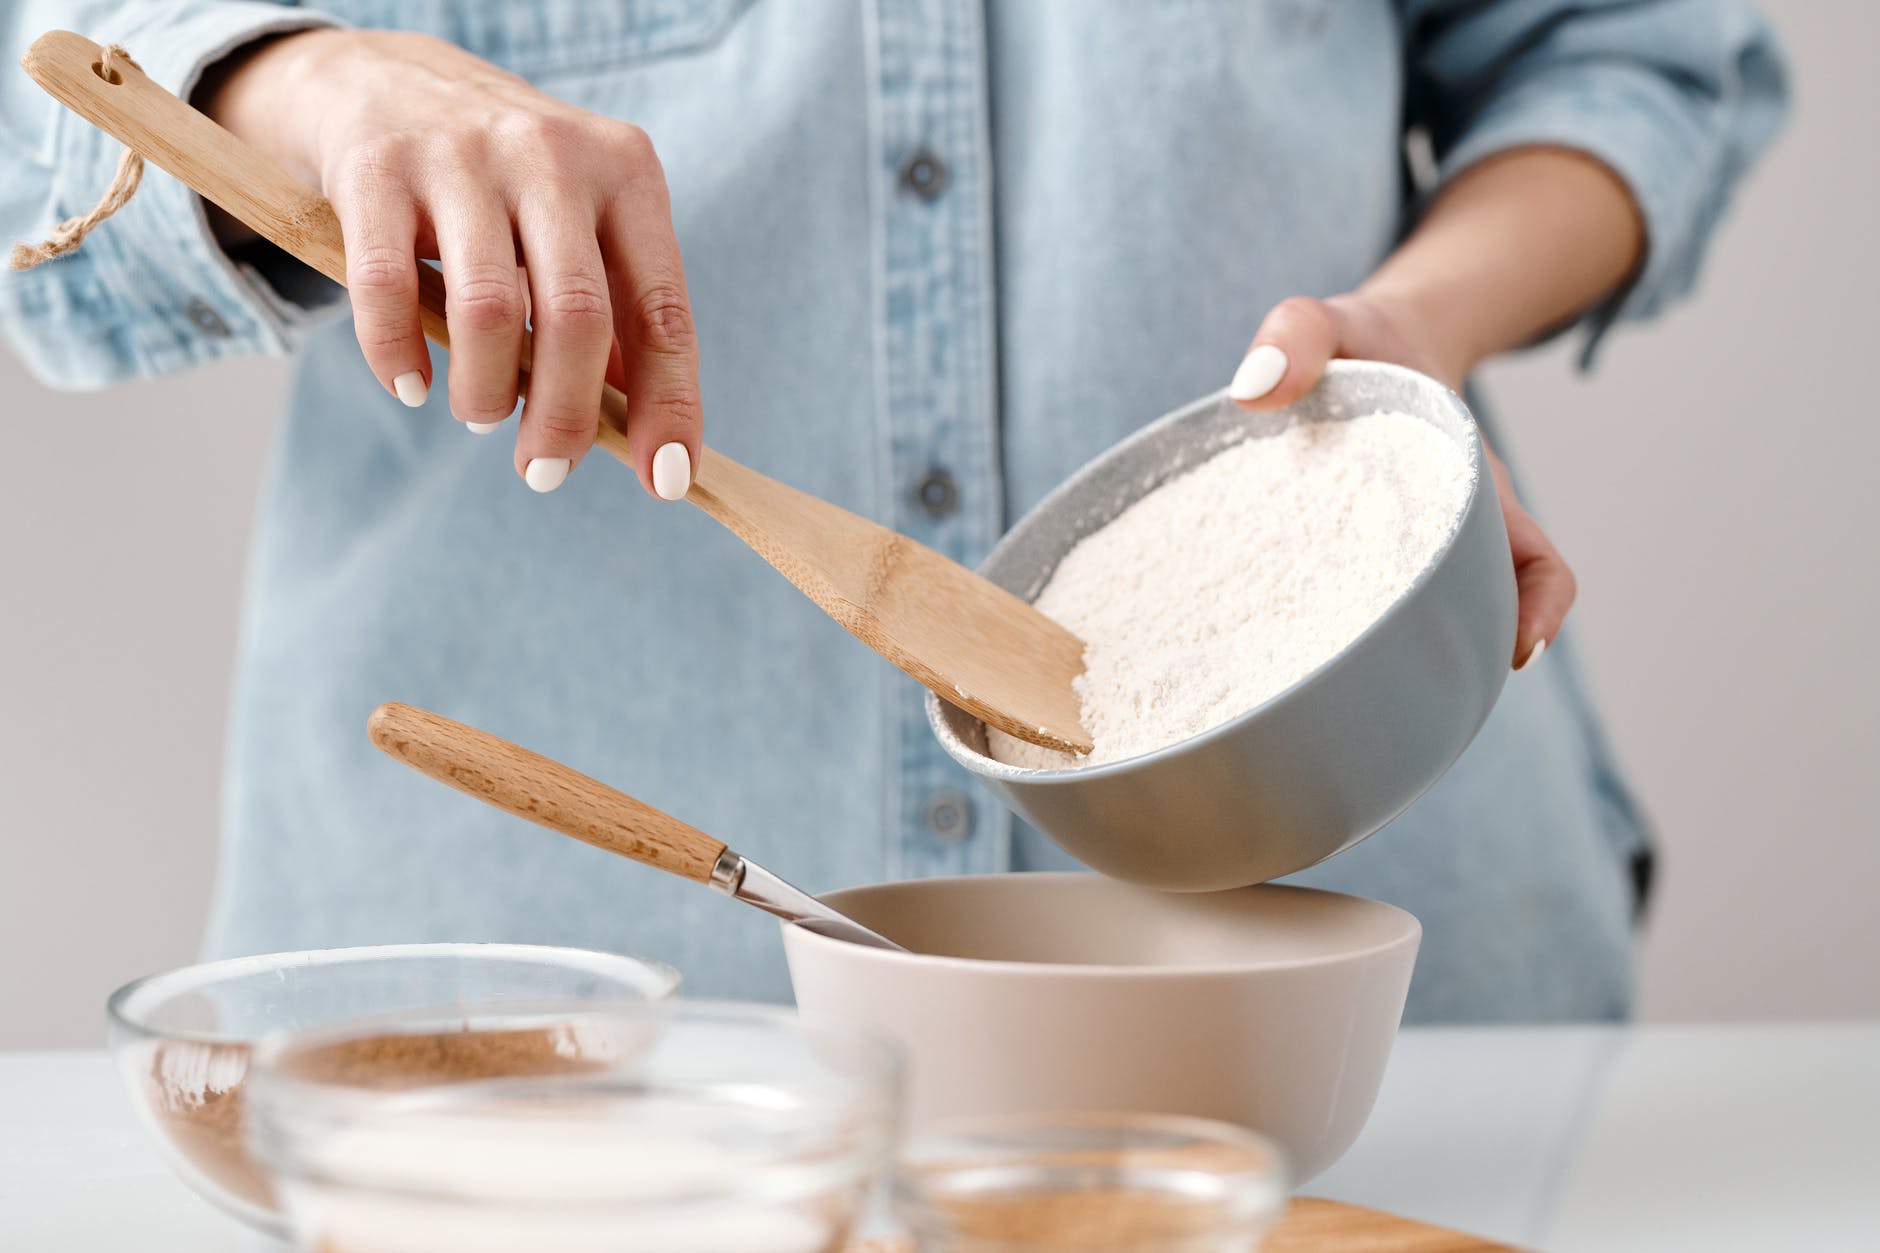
(1271, 1007)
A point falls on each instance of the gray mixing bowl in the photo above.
(1323, 764)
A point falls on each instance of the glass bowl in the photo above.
(695, 1128)
(183, 1039)
(1095, 1183)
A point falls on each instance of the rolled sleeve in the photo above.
(1676, 97)
(151, 291)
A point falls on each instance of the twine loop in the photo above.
(69, 234)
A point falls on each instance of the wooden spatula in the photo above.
(543, 791)
(972, 643)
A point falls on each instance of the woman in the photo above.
(935, 256)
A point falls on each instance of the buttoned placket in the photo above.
(937, 379)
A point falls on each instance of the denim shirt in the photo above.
(941, 252)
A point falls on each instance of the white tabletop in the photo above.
(1564, 1139)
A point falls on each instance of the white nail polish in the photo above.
(1259, 373)
(1534, 654)
(482, 428)
(410, 388)
(672, 471)
(545, 474)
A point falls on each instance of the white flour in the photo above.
(1222, 588)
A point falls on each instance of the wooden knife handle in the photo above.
(172, 134)
(544, 791)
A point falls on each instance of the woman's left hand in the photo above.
(1285, 362)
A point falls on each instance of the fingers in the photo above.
(601, 295)
(1545, 586)
(484, 306)
(1544, 583)
(573, 325)
(653, 322)
(1288, 355)
(379, 220)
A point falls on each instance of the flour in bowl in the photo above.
(1227, 585)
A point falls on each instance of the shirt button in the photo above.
(924, 175)
(949, 816)
(937, 493)
(205, 319)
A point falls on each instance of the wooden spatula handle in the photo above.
(221, 168)
(544, 791)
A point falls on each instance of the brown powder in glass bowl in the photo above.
(416, 1060)
(195, 1095)
(197, 1090)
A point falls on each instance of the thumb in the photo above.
(1288, 355)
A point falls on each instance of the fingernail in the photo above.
(1534, 654)
(545, 474)
(1259, 373)
(672, 471)
(410, 388)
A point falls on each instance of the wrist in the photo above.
(1435, 339)
(261, 93)
(1514, 247)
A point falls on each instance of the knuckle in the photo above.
(379, 338)
(485, 302)
(381, 270)
(680, 406)
(1297, 309)
(662, 320)
(532, 131)
(577, 304)
(632, 144)
(563, 425)
(481, 404)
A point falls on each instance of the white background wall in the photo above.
(1715, 486)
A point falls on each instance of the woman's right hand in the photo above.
(541, 213)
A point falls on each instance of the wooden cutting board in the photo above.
(1315, 1226)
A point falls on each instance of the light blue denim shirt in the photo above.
(941, 253)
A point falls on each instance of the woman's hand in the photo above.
(541, 213)
(1289, 355)
(1516, 245)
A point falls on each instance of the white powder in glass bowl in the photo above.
(1227, 585)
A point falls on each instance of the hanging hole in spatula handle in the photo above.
(542, 790)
